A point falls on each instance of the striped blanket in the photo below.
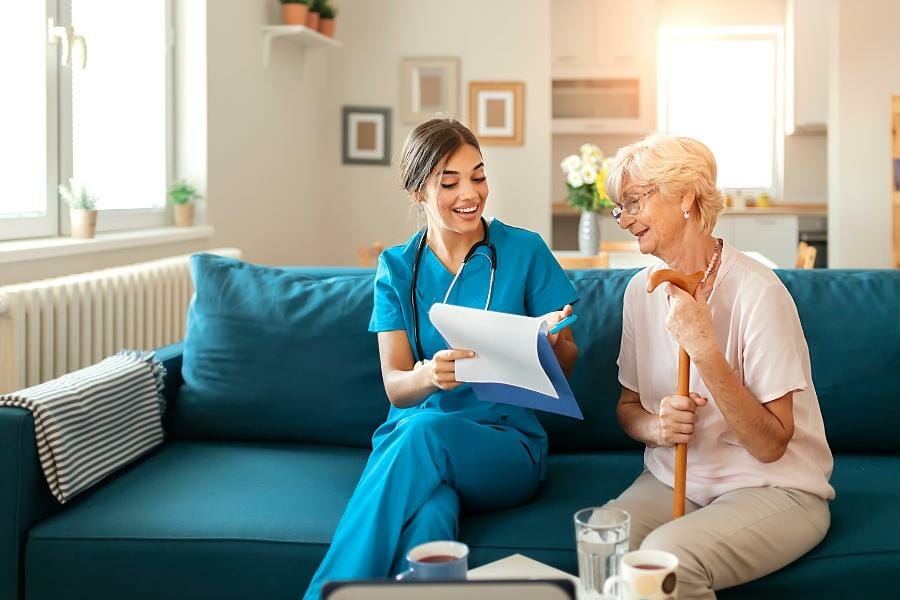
(91, 422)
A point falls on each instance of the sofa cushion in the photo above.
(198, 520)
(279, 355)
(214, 520)
(595, 380)
(851, 320)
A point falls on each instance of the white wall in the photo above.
(865, 73)
(496, 40)
(264, 186)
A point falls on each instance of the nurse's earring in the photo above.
(686, 215)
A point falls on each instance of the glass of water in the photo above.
(601, 535)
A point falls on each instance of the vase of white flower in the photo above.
(586, 187)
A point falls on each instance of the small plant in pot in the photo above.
(312, 18)
(82, 209)
(326, 20)
(294, 12)
(182, 196)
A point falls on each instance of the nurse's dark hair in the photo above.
(427, 145)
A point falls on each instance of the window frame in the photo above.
(46, 225)
(59, 160)
(771, 33)
(119, 219)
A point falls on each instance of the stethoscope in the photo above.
(486, 242)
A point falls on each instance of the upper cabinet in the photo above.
(603, 66)
(625, 31)
(572, 32)
(807, 43)
(593, 33)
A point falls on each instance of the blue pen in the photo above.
(563, 324)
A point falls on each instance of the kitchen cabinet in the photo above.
(602, 32)
(807, 43)
(572, 32)
(624, 31)
(774, 236)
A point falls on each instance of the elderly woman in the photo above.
(758, 461)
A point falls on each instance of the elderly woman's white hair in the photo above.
(675, 165)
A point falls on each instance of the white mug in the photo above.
(645, 575)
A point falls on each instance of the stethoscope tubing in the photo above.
(492, 259)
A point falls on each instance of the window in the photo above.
(723, 86)
(94, 105)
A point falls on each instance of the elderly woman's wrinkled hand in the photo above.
(690, 322)
(677, 417)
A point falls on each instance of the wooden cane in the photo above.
(689, 284)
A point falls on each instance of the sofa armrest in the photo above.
(25, 497)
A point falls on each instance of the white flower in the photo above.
(588, 174)
(570, 163)
(575, 180)
(591, 151)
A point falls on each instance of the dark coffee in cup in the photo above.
(437, 558)
(649, 567)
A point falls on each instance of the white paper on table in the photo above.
(505, 346)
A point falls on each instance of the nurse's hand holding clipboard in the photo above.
(563, 342)
(440, 371)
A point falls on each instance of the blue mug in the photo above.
(437, 560)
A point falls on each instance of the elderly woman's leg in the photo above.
(649, 503)
(741, 536)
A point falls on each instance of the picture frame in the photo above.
(497, 112)
(366, 135)
(428, 86)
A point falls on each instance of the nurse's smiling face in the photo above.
(455, 197)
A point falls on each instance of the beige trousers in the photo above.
(738, 537)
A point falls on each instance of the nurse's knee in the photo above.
(423, 427)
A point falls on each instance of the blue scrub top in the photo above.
(528, 281)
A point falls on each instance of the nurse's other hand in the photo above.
(441, 369)
(677, 417)
(553, 318)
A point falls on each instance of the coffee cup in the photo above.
(445, 560)
(645, 575)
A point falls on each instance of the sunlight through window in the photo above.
(119, 105)
(721, 87)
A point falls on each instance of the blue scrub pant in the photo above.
(412, 487)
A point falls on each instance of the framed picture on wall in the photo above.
(428, 86)
(497, 112)
(366, 135)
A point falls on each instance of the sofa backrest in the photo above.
(284, 354)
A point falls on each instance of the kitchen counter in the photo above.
(561, 209)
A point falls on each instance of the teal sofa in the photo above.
(276, 390)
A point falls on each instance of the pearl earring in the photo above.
(687, 215)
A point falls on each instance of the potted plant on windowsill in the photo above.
(586, 186)
(294, 12)
(312, 17)
(326, 20)
(182, 196)
(82, 209)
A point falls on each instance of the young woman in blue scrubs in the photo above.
(441, 449)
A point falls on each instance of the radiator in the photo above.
(52, 327)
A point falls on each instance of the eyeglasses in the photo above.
(632, 205)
